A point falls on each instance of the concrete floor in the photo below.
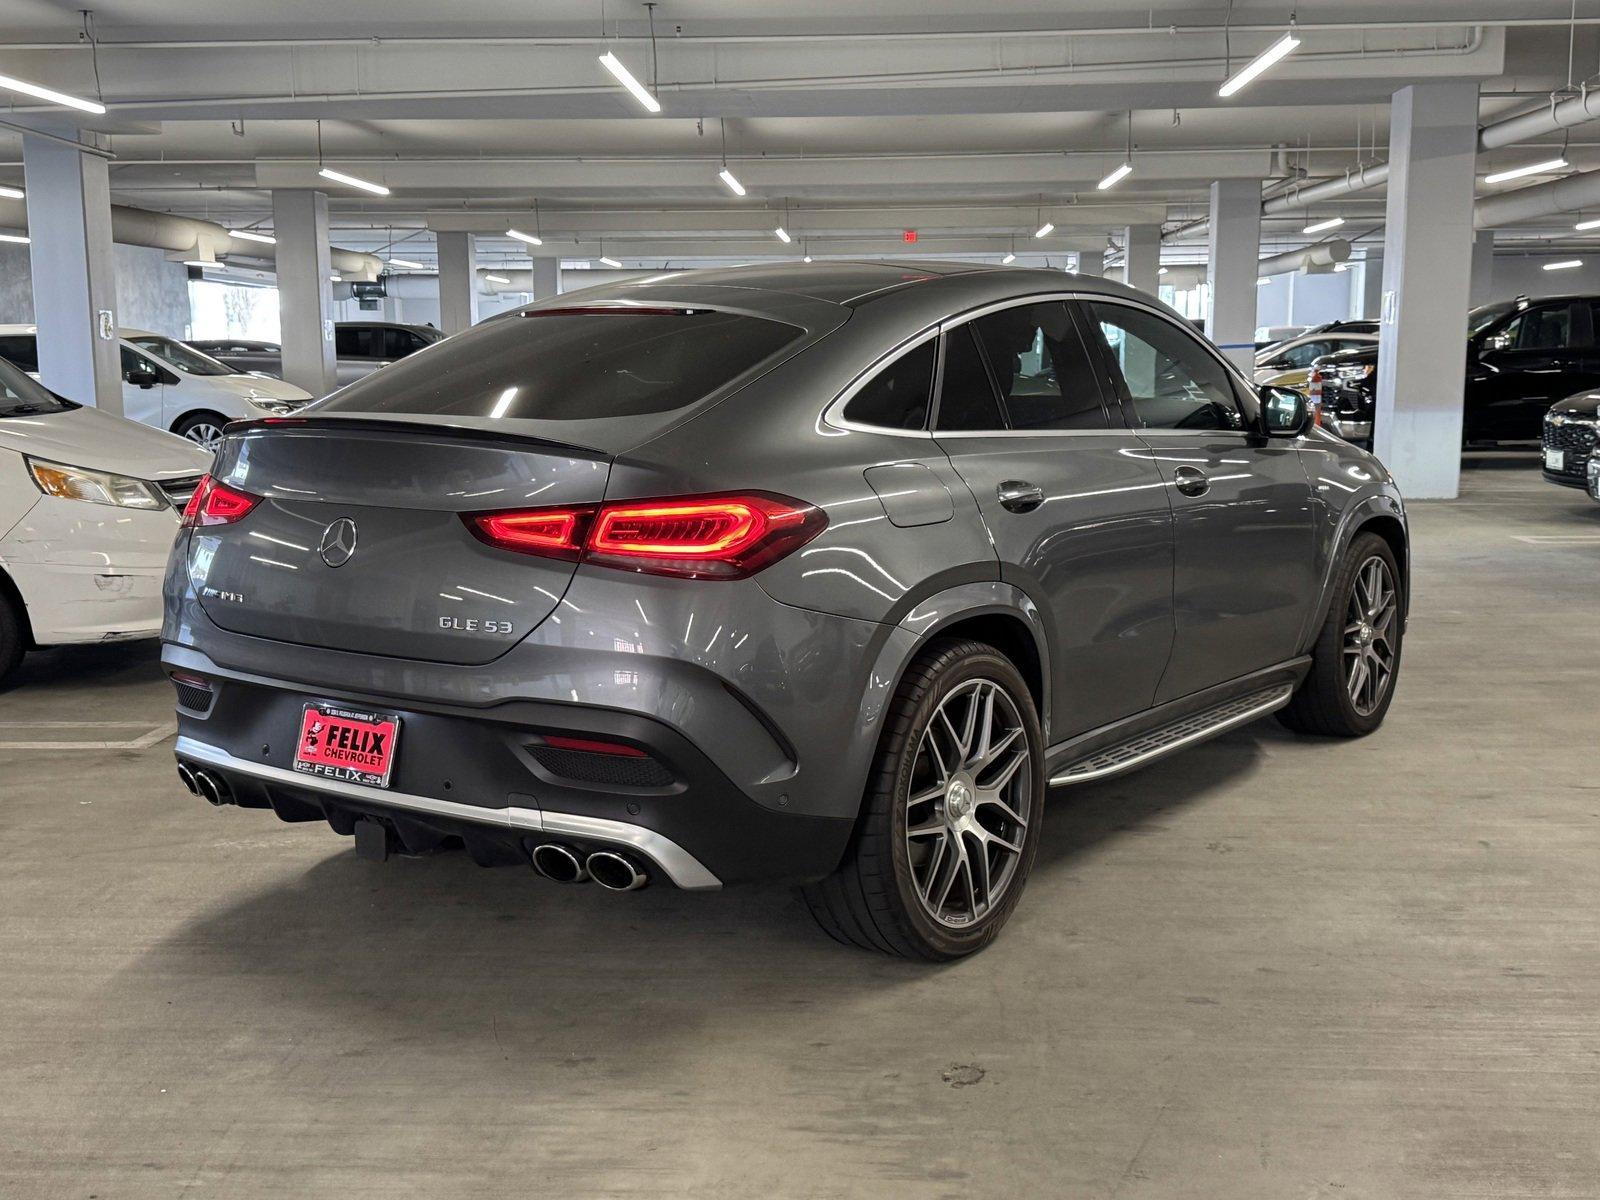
(1267, 968)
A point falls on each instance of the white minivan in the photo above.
(170, 385)
(89, 506)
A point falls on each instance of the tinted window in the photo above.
(398, 343)
(21, 351)
(1172, 381)
(186, 358)
(897, 396)
(966, 399)
(563, 366)
(1303, 354)
(359, 341)
(1038, 362)
(1547, 328)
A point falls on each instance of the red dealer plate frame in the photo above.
(349, 745)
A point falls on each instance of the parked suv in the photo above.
(1288, 364)
(1570, 429)
(361, 347)
(818, 574)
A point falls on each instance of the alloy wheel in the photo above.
(204, 434)
(969, 803)
(1369, 635)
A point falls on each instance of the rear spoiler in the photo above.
(381, 425)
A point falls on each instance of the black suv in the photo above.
(1522, 357)
(1570, 429)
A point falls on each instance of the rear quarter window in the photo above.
(562, 365)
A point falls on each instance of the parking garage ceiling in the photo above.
(847, 129)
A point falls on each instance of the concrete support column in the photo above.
(305, 293)
(546, 278)
(1092, 262)
(1371, 299)
(1233, 252)
(458, 282)
(1142, 256)
(74, 281)
(1482, 268)
(1427, 272)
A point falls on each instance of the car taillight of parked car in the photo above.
(696, 537)
(216, 503)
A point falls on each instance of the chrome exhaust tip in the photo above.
(211, 787)
(614, 872)
(558, 862)
(186, 777)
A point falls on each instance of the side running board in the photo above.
(1197, 727)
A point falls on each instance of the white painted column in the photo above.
(1482, 268)
(1142, 254)
(1371, 287)
(305, 293)
(1092, 262)
(546, 278)
(1427, 272)
(458, 282)
(74, 281)
(1233, 252)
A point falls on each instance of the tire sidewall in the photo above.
(1364, 547)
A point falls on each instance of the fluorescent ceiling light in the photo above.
(496, 279)
(1010, 258)
(1319, 226)
(1538, 168)
(1247, 74)
(783, 235)
(335, 278)
(406, 262)
(530, 238)
(1161, 270)
(14, 237)
(734, 185)
(201, 262)
(44, 93)
(1044, 230)
(808, 258)
(625, 77)
(1564, 265)
(377, 189)
(1261, 279)
(1116, 176)
(250, 235)
(1337, 267)
(1587, 225)
(11, 193)
(610, 262)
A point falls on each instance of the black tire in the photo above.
(13, 635)
(1323, 703)
(196, 420)
(872, 900)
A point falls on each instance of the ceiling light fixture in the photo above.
(11, 193)
(1010, 257)
(250, 235)
(1340, 267)
(335, 278)
(625, 77)
(1261, 279)
(44, 93)
(610, 262)
(366, 185)
(782, 235)
(18, 238)
(1319, 226)
(1587, 225)
(406, 262)
(1161, 270)
(491, 278)
(734, 185)
(1115, 177)
(1044, 230)
(1247, 74)
(531, 238)
(1538, 168)
(1564, 265)
(201, 262)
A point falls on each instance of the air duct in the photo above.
(1542, 200)
(1315, 259)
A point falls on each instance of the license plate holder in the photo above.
(1555, 460)
(349, 745)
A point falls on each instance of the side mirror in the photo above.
(1284, 413)
(142, 377)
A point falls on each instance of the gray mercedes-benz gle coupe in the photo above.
(821, 573)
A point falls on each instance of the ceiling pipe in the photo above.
(1566, 195)
(1324, 255)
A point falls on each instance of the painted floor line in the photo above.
(144, 741)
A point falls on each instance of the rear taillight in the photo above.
(216, 503)
(712, 537)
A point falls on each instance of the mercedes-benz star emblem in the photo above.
(338, 543)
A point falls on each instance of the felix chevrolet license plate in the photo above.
(347, 744)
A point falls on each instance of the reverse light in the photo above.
(711, 537)
(215, 503)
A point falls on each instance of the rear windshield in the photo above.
(563, 365)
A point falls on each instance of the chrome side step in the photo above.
(1197, 727)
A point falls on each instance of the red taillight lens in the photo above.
(216, 503)
(592, 746)
(720, 537)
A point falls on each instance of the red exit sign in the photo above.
(908, 235)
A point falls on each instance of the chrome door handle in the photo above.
(1191, 481)
(1019, 496)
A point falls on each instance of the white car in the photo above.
(169, 385)
(89, 507)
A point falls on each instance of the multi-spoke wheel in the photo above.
(951, 818)
(1356, 659)
(203, 429)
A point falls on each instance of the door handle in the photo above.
(1019, 496)
(1191, 481)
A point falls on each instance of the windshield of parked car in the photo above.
(1480, 319)
(572, 365)
(186, 358)
(21, 396)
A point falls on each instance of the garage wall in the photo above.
(1524, 275)
(152, 293)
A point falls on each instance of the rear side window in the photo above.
(1039, 363)
(897, 396)
(560, 365)
(966, 400)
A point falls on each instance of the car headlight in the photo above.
(1355, 371)
(276, 407)
(95, 487)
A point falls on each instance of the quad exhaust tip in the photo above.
(211, 787)
(614, 872)
(560, 863)
(186, 777)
